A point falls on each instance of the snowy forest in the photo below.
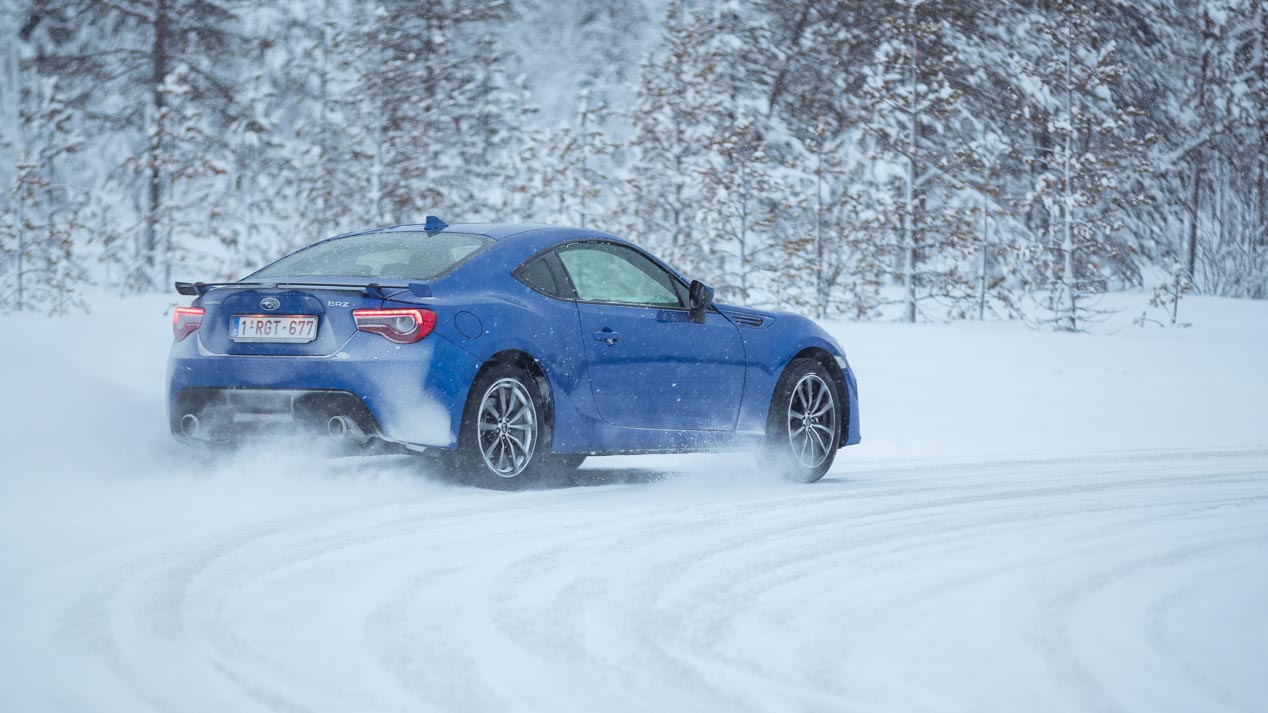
(925, 160)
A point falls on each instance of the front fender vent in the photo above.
(745, 320)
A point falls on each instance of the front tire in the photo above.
(803, 428)
(504, 438)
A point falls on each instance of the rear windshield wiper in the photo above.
(373, 289)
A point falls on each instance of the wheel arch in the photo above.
(528, 364)
(829, 363)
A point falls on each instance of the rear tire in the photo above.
(504, 441)
(803, 428)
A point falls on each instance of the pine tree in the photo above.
(11, 12)
(1089, 165)
(568, 173)
(154, 52)
(309, 71)
(1249, 35)
(21, 288)
(426, 70)
(41, 262)
(912, 101)
(332, 150)
(266, 211)
(741, 176)
(186, 149)
(1239, 250)
(590, 46)
(834, 255)
(990, 283)
(254, 222)
(662, 200)
(521, 169)
(1166, 296)
(740, 189)
(807, 63)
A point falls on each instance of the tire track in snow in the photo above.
(1048, 584)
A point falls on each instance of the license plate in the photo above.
(272, 328)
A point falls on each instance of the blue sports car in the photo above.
(510, 352)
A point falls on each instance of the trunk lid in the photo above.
(332, 308)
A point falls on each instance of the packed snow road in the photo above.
(1034, 522)
(1124, 581)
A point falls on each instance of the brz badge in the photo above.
(333, 303)
(270, 304)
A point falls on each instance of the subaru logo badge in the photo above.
(269, 303)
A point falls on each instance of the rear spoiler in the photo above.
(373, 289)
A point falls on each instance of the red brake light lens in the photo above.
(185, 321)
(402, 326)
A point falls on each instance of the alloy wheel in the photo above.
(812, 426)
(507, 427)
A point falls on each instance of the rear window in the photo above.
(400, 256)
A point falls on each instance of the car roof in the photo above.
(515, 241)
(496, 231)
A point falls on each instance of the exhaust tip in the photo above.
(338, 427)
(189, 425)
(344, 429)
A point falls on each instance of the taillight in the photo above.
(399, 325)
(185, 321)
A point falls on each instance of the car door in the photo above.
(650, 365)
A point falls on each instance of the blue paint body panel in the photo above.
(667, 384)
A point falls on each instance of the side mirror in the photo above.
(701, 296)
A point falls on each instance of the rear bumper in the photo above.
(211, 414)
(411, 394)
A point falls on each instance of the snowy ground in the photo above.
(1034, 522)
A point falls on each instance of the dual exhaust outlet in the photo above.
(339, 428)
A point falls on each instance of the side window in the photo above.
(538, 275)
(603, 272)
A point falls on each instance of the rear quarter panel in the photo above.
(488, 314)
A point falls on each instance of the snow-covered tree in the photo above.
(1229, 228)
(41, 245)
(835, 252)
(217, 134)
(185, 149)
(127, 61)
(569, 47)
(1088, 166)
(427, 73)
(661, 203)
(332, 143)
(742, 195)
(11, 76)
(912, 104)
(1166, 297)
(569, 170)
(254, 222)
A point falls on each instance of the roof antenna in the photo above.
(434, 224)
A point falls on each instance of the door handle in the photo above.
(607, 336)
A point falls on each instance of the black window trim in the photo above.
(551, 255)
(568, 293)
(680, 291)
(562, 278)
